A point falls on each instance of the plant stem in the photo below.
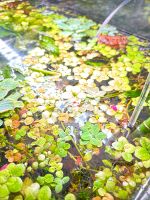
(72, 157)
(45, 72)
(78, 151)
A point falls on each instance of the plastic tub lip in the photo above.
(144, 192)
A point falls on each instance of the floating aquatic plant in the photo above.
(89, 96)
(91, 135)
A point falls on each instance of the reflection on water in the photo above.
(132, 18)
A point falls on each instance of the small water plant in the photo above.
(77, 95)
(91, 135)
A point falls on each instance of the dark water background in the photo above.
(133, 18)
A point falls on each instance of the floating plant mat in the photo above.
(76, 94)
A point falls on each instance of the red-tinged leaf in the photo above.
(78, 160)
(117, 41)
(15, 123)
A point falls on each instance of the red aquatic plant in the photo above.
(78, 160)
(116, 41)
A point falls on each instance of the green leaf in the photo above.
(101, 175)
(88, 156)
(142, 153)
(3, 93)
(3, 179)
(122, 194)
(14, 184)
(31, 191)
(70, 196)
(101, 136)
(45, 192)
(18, 197)
(9, 84)
(110, 185)
(98, 184)
(20, 133)
(127, 156)
(49, 44)
(83, 142)
(4, 192)
(86, 136)
(41, 180)
(58, 188)
(65, 179)
(133, 93)
(118, 145)
(6, 71)
(129, 148)
(146, 164)
(123, 140)
(6, 106)
(48, 178)
(145, 142)
(107, 172)
(107, 163)
(101, 191)
(61, 152)
(40, 142)
(95, 142)
(14, 96)
(16, 170)
(59, 174)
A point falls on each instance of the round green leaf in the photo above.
(88, 156)
(110, 185)
(70, 196)
(118, 145)
(142, 153)
(101, 191)
(59, 174)
(14, 184)
(65, 179)
(44, 192)
(129, 148)
(146, 164)
(48, 178)
(16, 170)
(4, 192)
(58, 188)
(122, 194)
(127, 156)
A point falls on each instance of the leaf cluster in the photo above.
(91, 136)
(10, 181)
(9, 96)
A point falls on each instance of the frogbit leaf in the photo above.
(142, 153)
(127, 156)
(58, 188)
(49, 44)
